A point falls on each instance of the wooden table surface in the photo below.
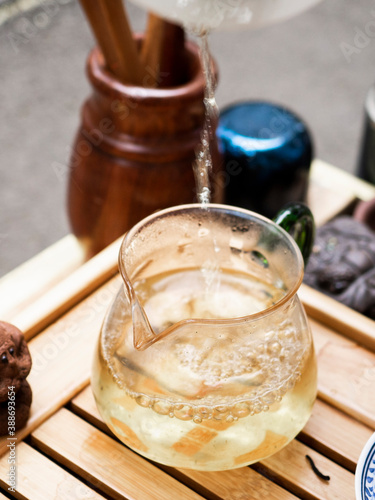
(67, 452)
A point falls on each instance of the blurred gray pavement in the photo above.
(320, 64)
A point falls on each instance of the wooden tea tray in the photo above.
(67, 452)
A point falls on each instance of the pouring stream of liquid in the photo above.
(203, 163)
(143, 333)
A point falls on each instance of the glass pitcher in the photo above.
(205, 359)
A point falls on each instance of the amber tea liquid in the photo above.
(200, 399)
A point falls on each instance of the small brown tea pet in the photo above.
(15, 365)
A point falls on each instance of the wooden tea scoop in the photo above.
(111, 29)
(162, 53)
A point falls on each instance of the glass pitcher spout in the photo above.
(143, 333)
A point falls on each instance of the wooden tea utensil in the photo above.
(111, 29)
(162, 53)
(120, 28)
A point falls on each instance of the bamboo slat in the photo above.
(236, 484)
(106, 463)
(326, 203)
(68, 291)
(338, 181)
(333, 191)
(346, 374)
(341, 318)
(327, 431)
(22, 286)
(62, 357)
(290, 468)
(38, 478)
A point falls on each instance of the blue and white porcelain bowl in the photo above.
(365, 472)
